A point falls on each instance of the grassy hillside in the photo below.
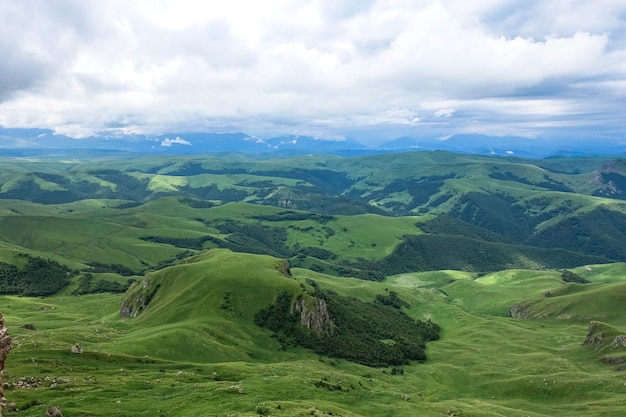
(475, 244)
(197, 352)
(555, 203)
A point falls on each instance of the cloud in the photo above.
(444, 113)
(319, 67)
(167, 142)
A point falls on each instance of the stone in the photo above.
(54, 412)
(78, 349)
(5, 347)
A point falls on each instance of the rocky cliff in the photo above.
(137, 297)
(314, 315)
(5, 346)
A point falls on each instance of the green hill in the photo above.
(553, 203)
(225, 257)
(185, 305)
(231, 291)
(196, 350)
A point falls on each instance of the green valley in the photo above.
(424, 283)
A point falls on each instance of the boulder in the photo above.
(54, 412)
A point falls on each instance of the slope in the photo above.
(203, 310)
(187, 355)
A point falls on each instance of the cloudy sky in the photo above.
(370, 69)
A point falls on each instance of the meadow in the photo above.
(204, 244)
(187, 356)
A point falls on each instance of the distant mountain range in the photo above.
(24, 142)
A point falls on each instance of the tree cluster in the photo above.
(99, 267)
(39, 277)
(367, 333)
(569, 276)
(391, 299)
(86, 285)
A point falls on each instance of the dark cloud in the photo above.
(19, 71)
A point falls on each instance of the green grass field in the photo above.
(185, 355)
(511, 341)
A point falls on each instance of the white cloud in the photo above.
(176, 141)
(319, 66)
(444, 113)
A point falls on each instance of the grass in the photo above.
(92, 230)
(196, 351)
(187, 356)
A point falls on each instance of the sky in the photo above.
(366, 69)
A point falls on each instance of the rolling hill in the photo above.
(214, 285)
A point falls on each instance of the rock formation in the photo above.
(314, 317)
(601, 337)
(54, 412)
(595, 336)
(5, 346)
(137, 297)
(77, 349)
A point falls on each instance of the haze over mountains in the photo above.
(16, 141)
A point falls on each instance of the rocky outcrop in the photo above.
(619, 341)
(529, 310)
(594, 336)
(600, 337)
(54, 412)
(5, 347)
(314, 315)
(519, 311)
(613, 360)
(283, 268)
(137, 298)
(77, 349)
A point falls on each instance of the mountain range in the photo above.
(21, 142)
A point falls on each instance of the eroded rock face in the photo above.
(137, 298)
(315, 317)
(594, 336)
(619, 341)
(598, 340)
(5, 347)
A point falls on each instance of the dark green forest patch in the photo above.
(254, 238)
(548, 182)
(438, 251)
(497, 213)
(600, 232)
(99, 267)
(444, 224)
(569, 276)
(301, 198)
(87, 285)
(197, 243)
(371, 334)
(196, 203)
(290, 215)
(420, 189)
(38, 277)
(212, 192)
(322, 181)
